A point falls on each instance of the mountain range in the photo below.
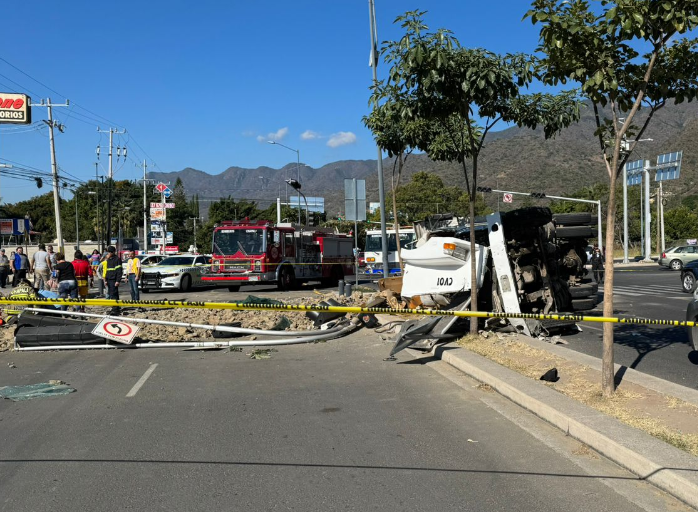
(515, 159)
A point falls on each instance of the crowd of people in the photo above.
(54, 275)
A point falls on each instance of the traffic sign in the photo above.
(116, 330)
(160, 187)
(162, 205)
(508, 198)
(167, 192)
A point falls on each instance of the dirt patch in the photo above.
(664, 417)
(263, 320)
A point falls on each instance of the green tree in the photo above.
(396, 134)
(680, 223)
(624, 55)
(462, 93)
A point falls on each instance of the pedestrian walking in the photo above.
(67, 283)
(597, 265)
(41, 263)
(20, 265)
(133, 275)
(95, 258)
(4, 268)
(112, 275)
(83, 275)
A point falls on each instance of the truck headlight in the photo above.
(257, 266)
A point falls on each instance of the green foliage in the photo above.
(680, 223)
(623, 54)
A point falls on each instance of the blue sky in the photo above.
(205, 84)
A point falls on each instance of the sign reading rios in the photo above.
(14, 108)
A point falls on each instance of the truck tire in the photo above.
(573, 219)
(583, 304)
(584, 290)
(531, 217)
(287, 279)
(234, 288)
(574, 232)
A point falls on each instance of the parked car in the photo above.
(676, 257)
(689, 276)
(180, 272)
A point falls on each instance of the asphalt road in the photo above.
(665, 352)
(328, 426)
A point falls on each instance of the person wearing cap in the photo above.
(112, 275)
(4, 268)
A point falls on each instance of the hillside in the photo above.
(513, 159)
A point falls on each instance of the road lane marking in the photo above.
(142, 380)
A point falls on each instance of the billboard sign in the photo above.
(15, 108)
(14, 226)
(158, 214)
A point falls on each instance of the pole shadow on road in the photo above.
(645, 340)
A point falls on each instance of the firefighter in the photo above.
(112, 275)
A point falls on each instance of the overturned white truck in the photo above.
(527, 260)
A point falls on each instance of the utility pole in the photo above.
(110, 186)
(194, 220)
(648, 213)
(381, 190)
(99, 211)
(54, 167)
(145, 207)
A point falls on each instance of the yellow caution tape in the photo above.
(237, 306)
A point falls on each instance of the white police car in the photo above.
(181, 272)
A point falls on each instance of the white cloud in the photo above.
(275, 136)
(310, 135)
(248, 133)
(341, 139)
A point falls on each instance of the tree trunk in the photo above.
(608, 385)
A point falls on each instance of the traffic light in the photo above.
(538, 195)
(484, 189)
(39, 182)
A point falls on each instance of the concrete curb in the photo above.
(666, 467)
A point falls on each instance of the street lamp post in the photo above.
(298, 163)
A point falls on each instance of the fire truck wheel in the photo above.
(185, 283)
(234, 288)
(287, 280)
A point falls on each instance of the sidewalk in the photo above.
(641, 428)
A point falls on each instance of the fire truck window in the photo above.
(289, 247)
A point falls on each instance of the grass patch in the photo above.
(582, 384)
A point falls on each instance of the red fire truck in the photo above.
(260, 252)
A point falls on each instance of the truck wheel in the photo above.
(532, 216)
(574, 232)
(234, 288)
(287, 279)
(583, 290)
(583, 304)
(185, 283)
(573, 219)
